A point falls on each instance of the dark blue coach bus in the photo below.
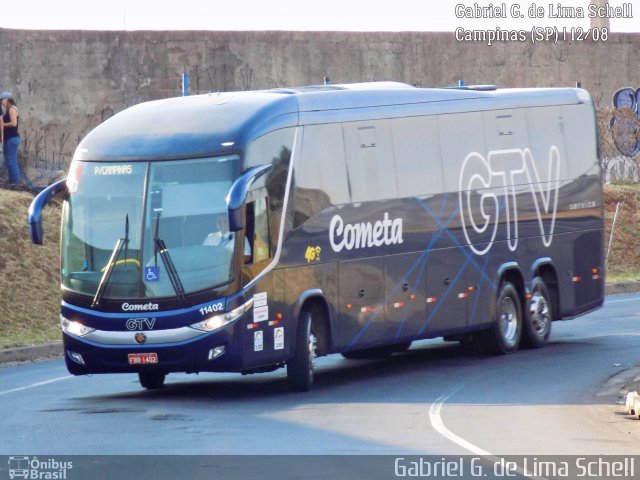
(248, 231)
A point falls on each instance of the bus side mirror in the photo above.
(238, 195)
(38, 204)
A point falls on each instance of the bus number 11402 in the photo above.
(213, 308)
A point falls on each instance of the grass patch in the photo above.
(625, 277)
(29, 278)
(624, 256)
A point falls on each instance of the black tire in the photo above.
(505, 334)
(300, 366)
(152, 380)
(401, 347)
(538, 316)
(376, 352)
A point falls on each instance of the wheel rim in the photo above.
(540, 314)
(509, 321)
(313, 342)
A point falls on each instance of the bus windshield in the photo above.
(145, 230)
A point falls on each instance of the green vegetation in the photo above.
(30, 281)
(624, 257)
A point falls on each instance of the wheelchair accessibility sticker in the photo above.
(151, 274)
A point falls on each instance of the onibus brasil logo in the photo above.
(38, 469)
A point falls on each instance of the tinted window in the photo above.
(370, 165)
(417, 156)
(184, 203)
(321, 173)
(461, 134)
(580, 137)
(274, 148)
(260, 240)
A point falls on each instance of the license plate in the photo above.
(143, 358)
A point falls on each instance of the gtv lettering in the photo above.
(141, 323)
(506, 173)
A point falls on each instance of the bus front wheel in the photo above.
(152, 380)
(300, 366)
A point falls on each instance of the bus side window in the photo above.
(370, 160)
(257, 231)
(416, 147)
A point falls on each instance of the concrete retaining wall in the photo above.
(66, 82)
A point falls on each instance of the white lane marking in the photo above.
(623, 300)
(436, 422)
(438, 425)
(34, 385)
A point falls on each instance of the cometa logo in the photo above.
(366, 234)
(145, 307)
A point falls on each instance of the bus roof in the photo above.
(201, 125)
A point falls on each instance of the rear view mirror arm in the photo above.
(238, 194)
(38, 204)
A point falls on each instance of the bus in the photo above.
(250, 231)
(18, 467)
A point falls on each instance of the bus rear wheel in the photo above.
(505, 334)
(300, 366)
(152, 380)
(539, 314)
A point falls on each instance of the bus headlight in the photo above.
(74, 328)
(219, 321)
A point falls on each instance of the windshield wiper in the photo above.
(160, 247)
(122, 243)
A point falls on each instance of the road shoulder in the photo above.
(31, 353)
(610, 404)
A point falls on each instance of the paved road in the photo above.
(436, 399)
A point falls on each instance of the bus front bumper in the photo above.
(212, 352)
